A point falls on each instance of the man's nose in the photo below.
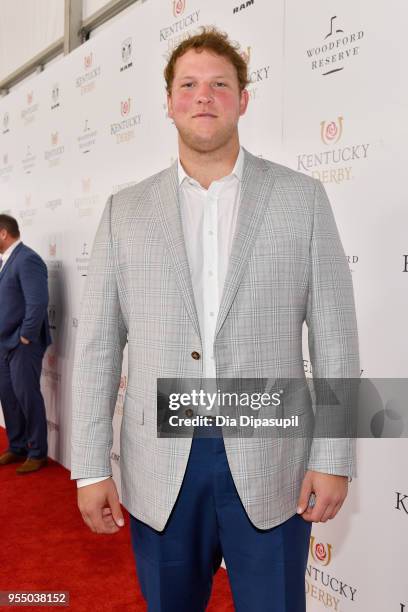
(205, 93)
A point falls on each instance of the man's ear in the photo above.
(169, 106)
(243, 103)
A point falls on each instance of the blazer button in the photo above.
(189, 412)
(195, 355)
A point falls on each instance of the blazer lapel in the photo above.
(168, 210)
(255, 194)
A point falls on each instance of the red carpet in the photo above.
(45, 546)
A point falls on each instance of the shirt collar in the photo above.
(236, 171)
(9, 251)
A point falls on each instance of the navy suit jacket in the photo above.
(24, 299)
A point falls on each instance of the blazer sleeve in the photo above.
(101, 338)
(332, 331)
(33, 276)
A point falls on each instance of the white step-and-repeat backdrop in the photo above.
(328, 97)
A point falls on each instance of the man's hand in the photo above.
(330, 492)
(100, 507)
(24, 340)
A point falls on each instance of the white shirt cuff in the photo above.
(82, 482)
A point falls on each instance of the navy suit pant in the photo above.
(175, 567)
(22, 401)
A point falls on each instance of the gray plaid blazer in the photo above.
(287, 266)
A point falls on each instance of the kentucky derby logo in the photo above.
(125, 107)
(331, 131)
(178, 7)
(126, 50)
(321, 553)
(87, 81)
(53, 155)
(28, 113)
(172, 34)
(88, 61)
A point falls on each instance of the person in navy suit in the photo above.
(24, 338)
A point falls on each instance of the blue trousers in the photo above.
(175, 567)
(22, 401)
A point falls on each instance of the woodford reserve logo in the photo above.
(321, 585)
(332, 165)
(87, 138)
(82, 261)
(338, 47)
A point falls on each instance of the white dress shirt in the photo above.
(209, 219)
(8, 252)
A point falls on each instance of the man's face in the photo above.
(205, 102)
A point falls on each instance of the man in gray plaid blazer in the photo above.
(209, 269)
